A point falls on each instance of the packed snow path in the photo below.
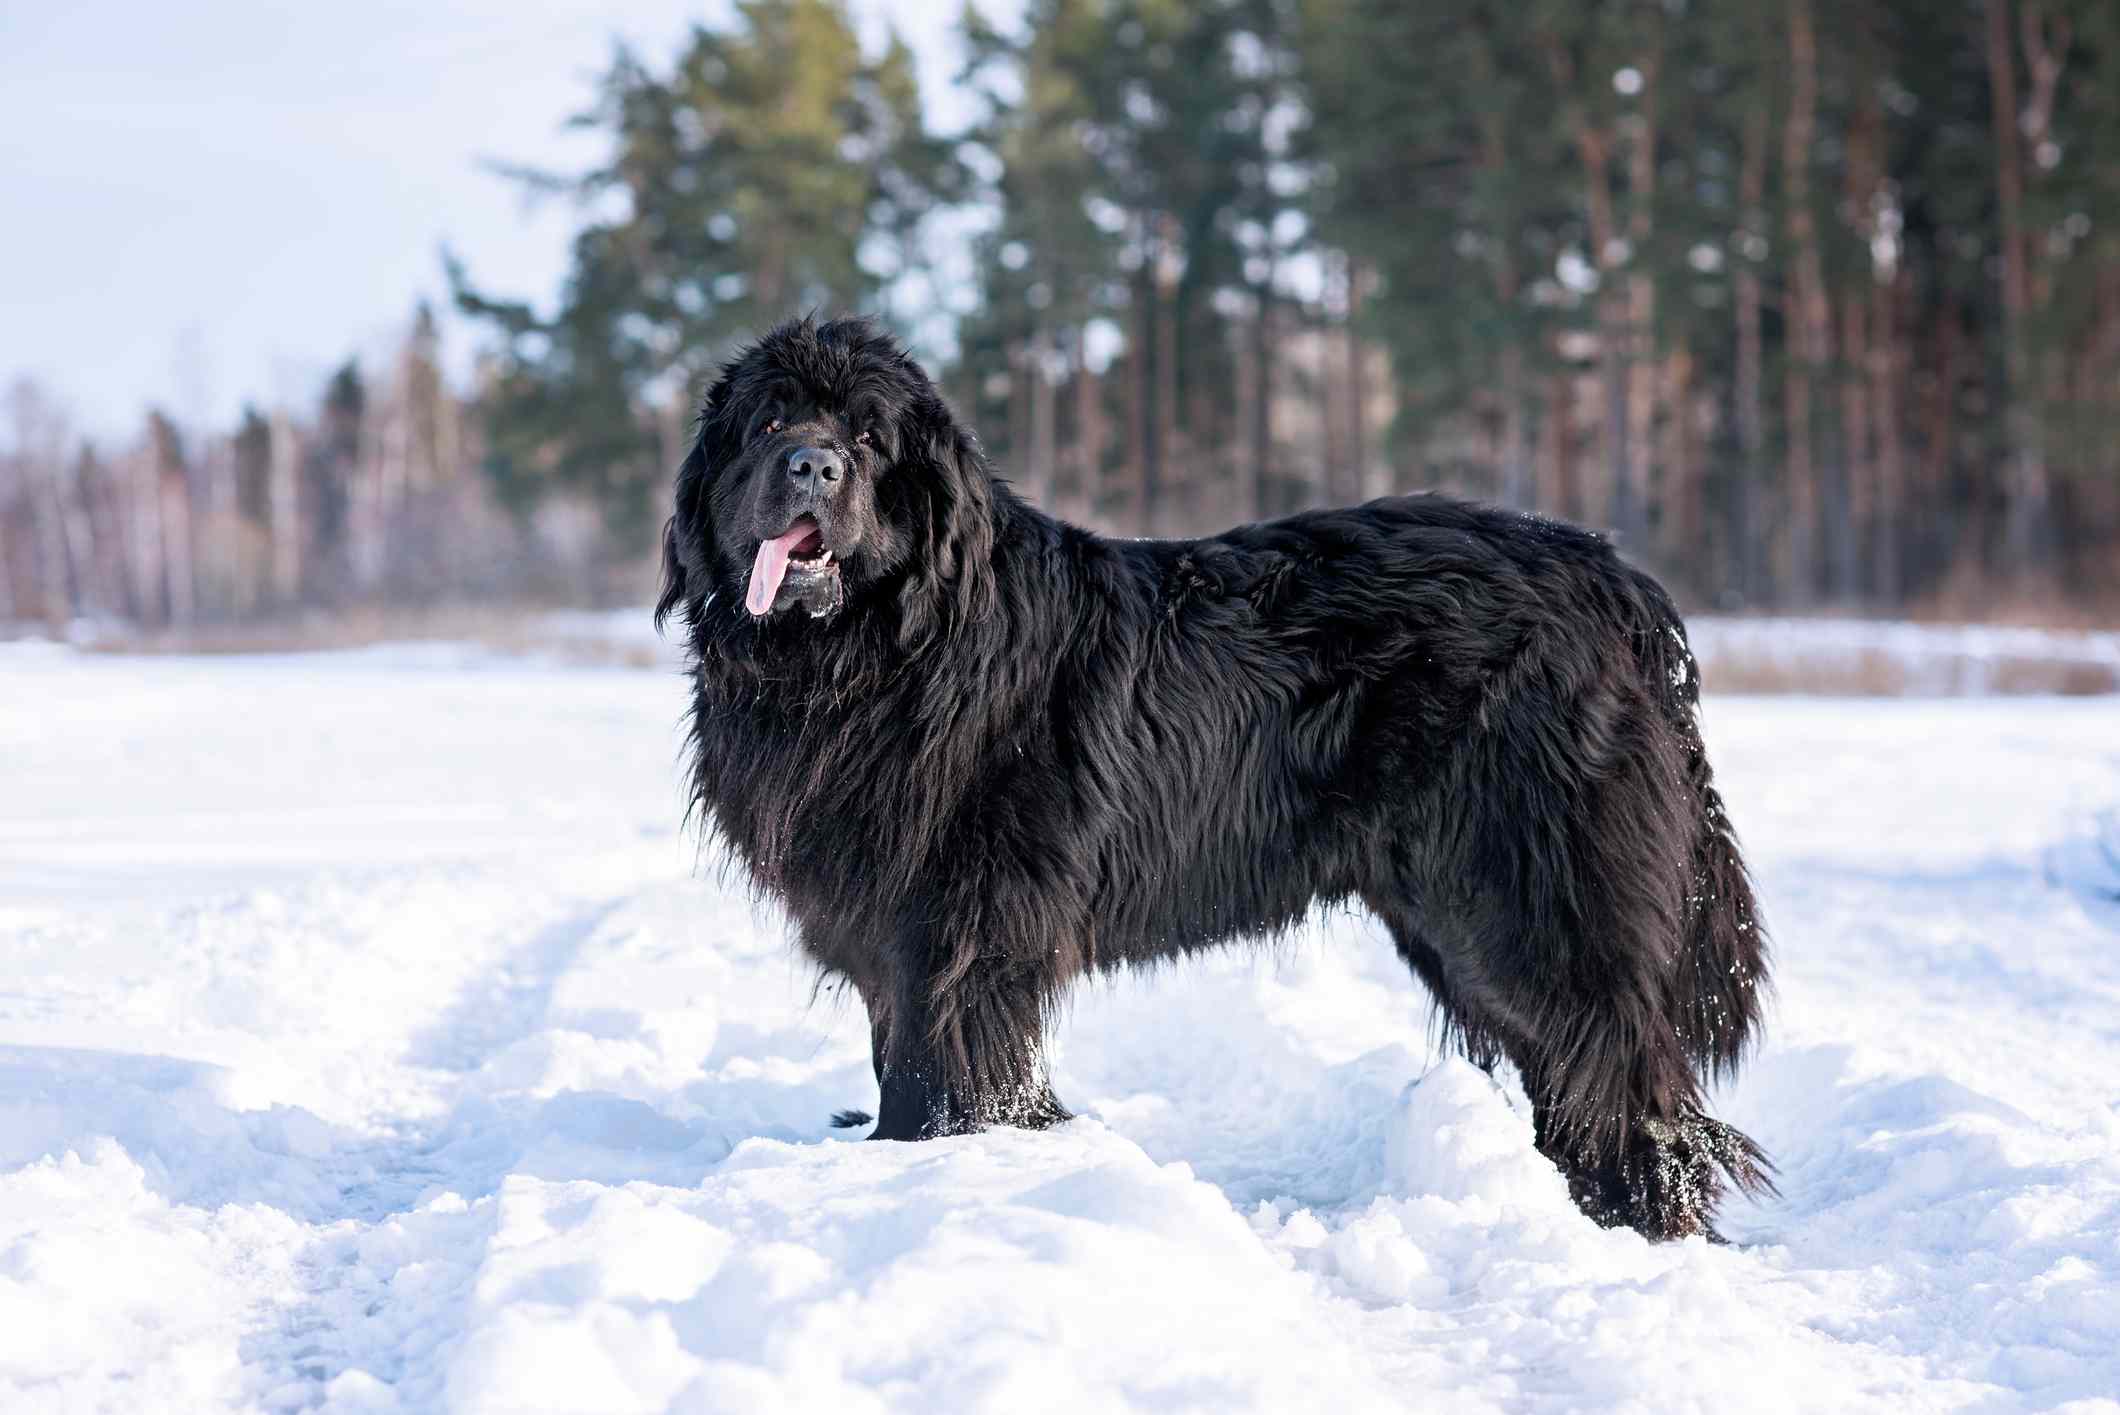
(373, 1040)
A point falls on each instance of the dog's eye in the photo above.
(861, 439)
(772, 427)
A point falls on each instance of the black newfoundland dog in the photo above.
(977, 753)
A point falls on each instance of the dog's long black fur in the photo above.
(982, 752)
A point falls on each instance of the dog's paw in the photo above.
(1684, 1171)
(850, 1119)
(1672, 1178)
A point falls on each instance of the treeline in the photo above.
(369, 497)
(1812, 305)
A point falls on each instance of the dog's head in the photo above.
(827, 473)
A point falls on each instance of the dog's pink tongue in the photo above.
(771, 565)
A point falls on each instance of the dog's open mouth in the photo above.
(794, 567)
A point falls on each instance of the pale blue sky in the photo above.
(203, 203)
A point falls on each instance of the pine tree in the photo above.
(759, 178)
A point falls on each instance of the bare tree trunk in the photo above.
(1858, 463)
(103, 493)
(2029, 528)
(1889, 502)
(2026, 486)
(177, 564)
(1751, 381)
(1560, 490)
(1207, 446)
(2100, 389)
(1635, 497)
(1018, 465)
(1042, 420)
(393, 469)
(1515, 473)
(1332, 422)
(1800, 563)
(1245, 466)
(93, 595)
(63, 569)
(1947, 517)
(1686, 531)
(8, 613)
(143, 523)
(1168, 458)
(8, 594)
(1852, 514)
(1594, 149)
(1089, 428)
(1356, 404)
(1141, 473)
(1547, 472)
(286, 521)
(1871, 340)
(1612, 339)
(40, 444)
(449, 433)
(1261, 407)
(375, 474)
(1631, 513)
(220, 561)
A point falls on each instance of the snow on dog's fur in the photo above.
(978, 753)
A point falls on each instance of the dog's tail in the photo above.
(1723, 959)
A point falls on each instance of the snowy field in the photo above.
(372, 1040)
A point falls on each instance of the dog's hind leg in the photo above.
(1615, 1102)
(1556, 899)
(1591, 1059)
(1618, 1109)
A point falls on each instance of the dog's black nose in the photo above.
(815, 467)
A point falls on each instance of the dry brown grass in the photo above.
(1875, 673)
(1858, 658)
(1824, 657)
(524, 632)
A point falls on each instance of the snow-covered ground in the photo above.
(372, 1040)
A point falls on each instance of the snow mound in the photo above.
(970, 1274)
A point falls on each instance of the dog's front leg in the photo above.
(912, 1089)
(965, 1051)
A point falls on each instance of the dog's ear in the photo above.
(688, 520)
(953, 583)
(673, 576)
